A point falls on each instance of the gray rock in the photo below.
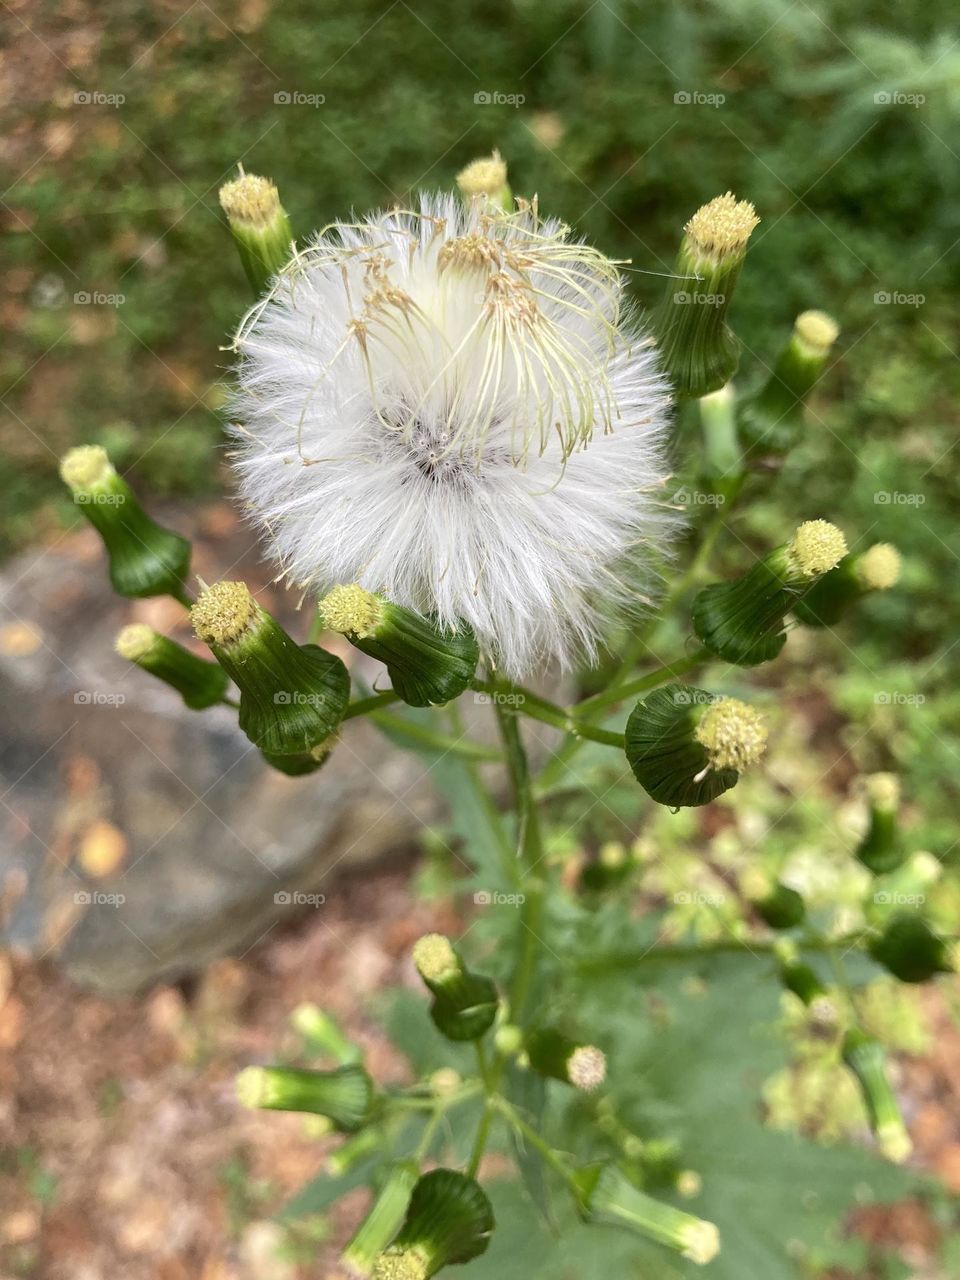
(141, 839)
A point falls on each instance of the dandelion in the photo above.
(452, 408)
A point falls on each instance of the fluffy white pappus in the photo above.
(452, 407)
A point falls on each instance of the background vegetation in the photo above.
(839, 122)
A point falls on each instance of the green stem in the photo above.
(616, 960)
(555, 1162)
(364, 705)
(430, 738)
(620, 692)
(538, 708)
(480, 1141)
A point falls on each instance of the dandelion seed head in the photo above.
(452, 408)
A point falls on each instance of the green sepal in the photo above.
(427, 665)
(910, 950)
(771, 422)
(465, 1010)
(144, 559)
(742, 621)
(292, 697)
(300, 764)
(698, 350)
(802, 981)
(449, 1220)
(665, 756)
(826, 601)
(384, 1218)
(344, 1095)
(881, 850)
(199, 682)
(782, 908)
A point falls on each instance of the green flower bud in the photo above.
(384, 1218)
(867, 1060)
(144, 559)
(464, 1004)
(292, 697)
(881, 849)
(910, 950)
(427, 666)
(609, 1196)
(558, 1057)
(777, 904)
(698, 350)
(743, 621)
(508, 1040)
(323, 1033)
(829, 598)
(803, 982)
(261, 229)
(686, 746)
(449, 1220)
(200, 683)
(486, 179)
(771, 423)
(723, 468)
(344, 1096)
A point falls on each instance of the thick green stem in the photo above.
(527, 1131)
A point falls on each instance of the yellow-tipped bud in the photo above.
(721, 228)
(252, 1087)
(883, 790)
(251, 200)
(817, 547)
(484, 177)
(223, 612)
(879, 567)
(700, 1242)
(85, 466)
(733, 734)
(435, 957)
(399, 1265)
(135, 641)
(351, 610)
(816, 331)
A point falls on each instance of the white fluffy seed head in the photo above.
(587, 1067)
(449, 408)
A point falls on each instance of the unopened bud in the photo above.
(200, 683)
(448, 1220)
(867, 1060)
(144, 559)
(427, 664)
(771, 423)
(910, 950)
(344, 1095)
(260, 227)
(559, 1057)
(464, 1004)
(486, 178)
(609, 1196)
(827, 600)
